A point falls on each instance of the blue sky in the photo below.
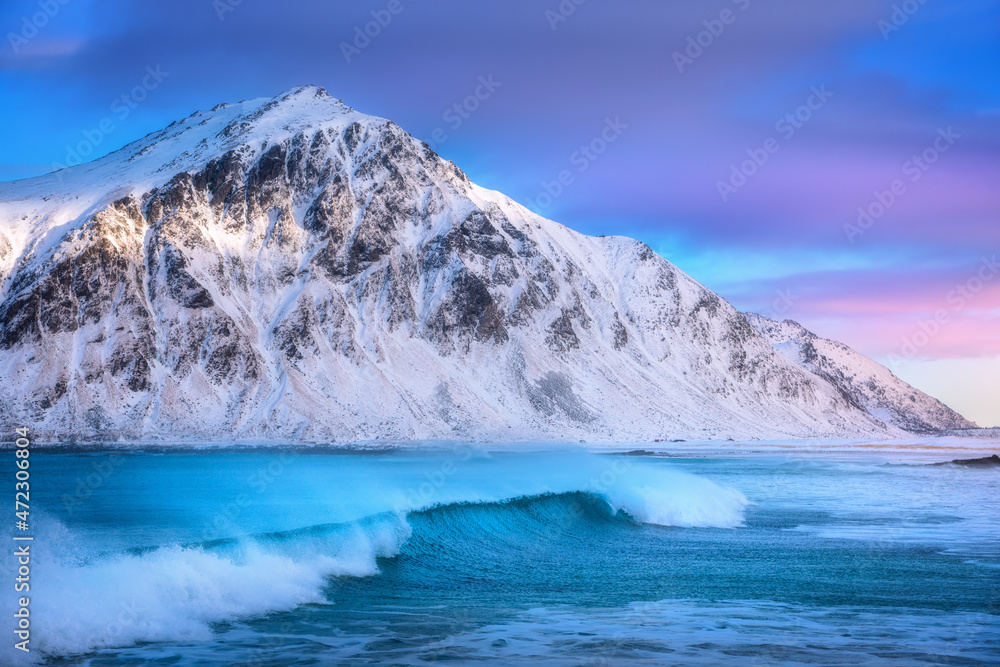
(829, 103)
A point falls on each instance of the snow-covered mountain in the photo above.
(866, 383)
(291, 269)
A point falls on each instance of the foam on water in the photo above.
(680, 500)
(690, 632)
(175, 593)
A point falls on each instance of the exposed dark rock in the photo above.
(554, 394)
(477, 235)
(984, 462)
(620, 333)
(562, 337)
(709, 303)
(181, 285)
(470, 311)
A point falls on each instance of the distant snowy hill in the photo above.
(291, 269)
(866, 383)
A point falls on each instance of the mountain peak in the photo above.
(309, 101)
(188, 144)
(300, 108)
(308, 91)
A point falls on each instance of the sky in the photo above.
(835, 163)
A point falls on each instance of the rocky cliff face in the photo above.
(290, 269)
(865, 383)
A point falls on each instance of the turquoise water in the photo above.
(307, 557)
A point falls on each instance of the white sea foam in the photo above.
(685, 501)
(175, 593)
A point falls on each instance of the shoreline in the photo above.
(939, 448)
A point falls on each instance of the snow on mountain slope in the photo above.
(868, 384)
(290, 269)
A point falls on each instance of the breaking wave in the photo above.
(92, 599)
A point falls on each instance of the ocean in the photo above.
(468, 554)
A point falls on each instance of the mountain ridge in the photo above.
(873, 386)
